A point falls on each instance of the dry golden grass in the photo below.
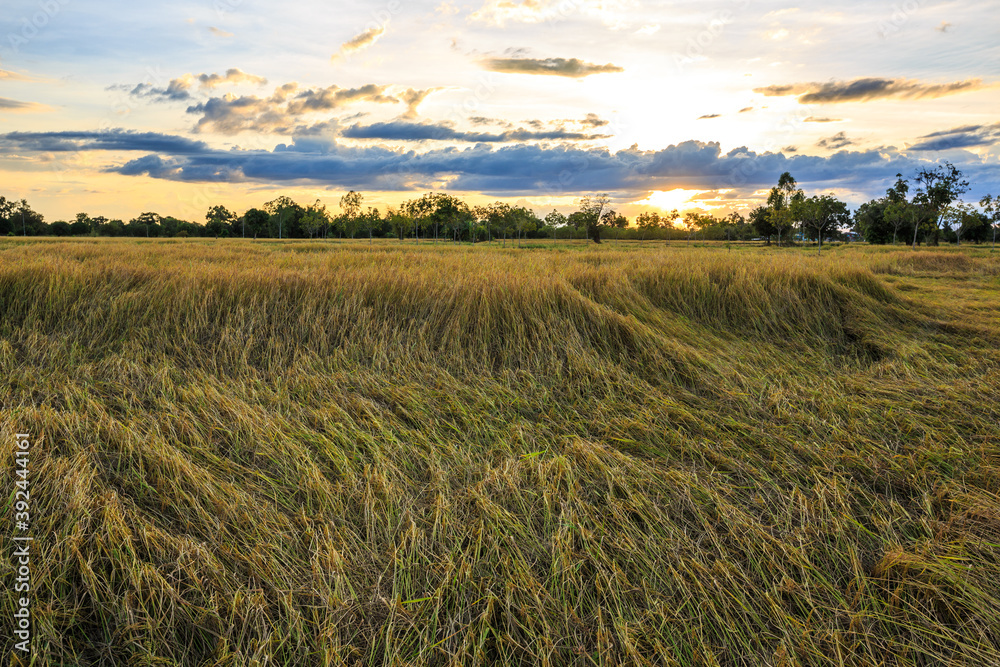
(336, 454)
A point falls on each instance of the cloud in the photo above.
(593, 120)
(413, 99)
(360, 42)
(864, 90)
(281, 112)
(404, 131)
(968, 136)
(513, 170)
(835, 142)
(710, 115)
(7, 75)
(526, 169)
(219, 32)
(817, 119)
(569, 67)
(179, 89)
(232, 76)
(15, 106)
(746, 109)
(112, 140)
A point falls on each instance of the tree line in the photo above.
(934, 213)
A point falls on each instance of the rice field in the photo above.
(315, 453)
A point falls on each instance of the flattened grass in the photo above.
(336, 454)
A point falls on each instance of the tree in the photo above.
(371, 220)
(255, 220)
(959, 217)
(732, 225)
(61, 228)
(521, 220)
(444, 211)
(991, 208)
(497, 218)
(350, 204)
(285, 216)
(900, 215)
(669, 220)
(647, 222)
(760, 219)
(555, 220)
(315, 219)
(6, 216)
(821, 214)
(593, 209)
(693, 222)
(399, 222)
(939, 187)
(417, 210)
(219, 221)
(146, 224)
(779, 205)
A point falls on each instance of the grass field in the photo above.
(336, 454)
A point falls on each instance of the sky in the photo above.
(115, 108)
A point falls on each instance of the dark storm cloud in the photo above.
(405, 131)
(112, 140)
(512, 170)
(959, 137)
(867, 89)
(570, 67)
(520, 169)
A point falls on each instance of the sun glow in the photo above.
(670, 199)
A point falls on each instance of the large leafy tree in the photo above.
(219, 221)
(939, 187)
(316, 219)
(255, 221)
(399, 222)
(820, 215)
(19, 219)
(285, 217)
(593, 212)
(760, 219)
(145, 224)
